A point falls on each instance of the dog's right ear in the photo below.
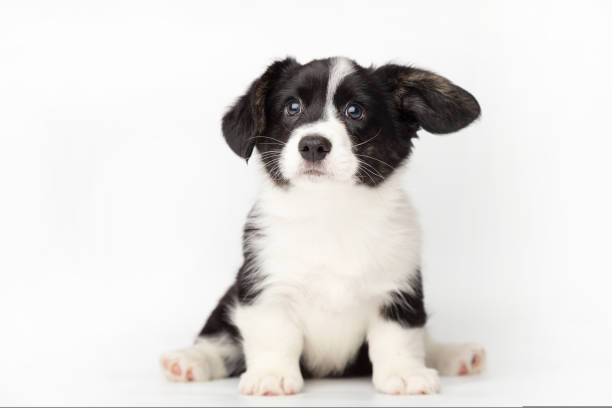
(247, 118)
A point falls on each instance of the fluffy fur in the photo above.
(331, 281)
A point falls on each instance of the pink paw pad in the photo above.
(476, 360)
(176, 369)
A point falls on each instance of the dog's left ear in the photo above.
(428, 100)
(247, 118)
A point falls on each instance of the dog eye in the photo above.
(354, 112)
(293, 108)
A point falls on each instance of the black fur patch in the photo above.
(408, 309)
(249, 274)
(360, 366)
(219, 322)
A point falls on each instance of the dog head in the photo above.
(332, 119)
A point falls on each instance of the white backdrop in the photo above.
(121, 207)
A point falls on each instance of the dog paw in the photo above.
(183, 366)
(268, 383)
(464, 359)
(411, 381)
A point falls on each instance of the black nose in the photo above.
(314, 148)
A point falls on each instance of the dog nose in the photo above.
(314, 148)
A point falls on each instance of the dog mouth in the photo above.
(313, 172)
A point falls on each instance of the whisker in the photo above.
(359, 144)
(274, 169)
(271, 143)
(272, 164)
(271, 152)
(267, 137)
(370, 177)
(374, 158)
(372, 169)
(372, 173)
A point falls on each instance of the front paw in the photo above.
(255, 382)
(411, 381)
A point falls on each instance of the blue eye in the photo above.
(354, 112)
(293, 108)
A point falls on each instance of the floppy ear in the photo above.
(247, 118)
(429, 100)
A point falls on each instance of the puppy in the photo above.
(331, 279)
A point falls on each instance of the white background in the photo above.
(121, 207)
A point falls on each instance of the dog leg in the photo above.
(272, 345)
(398, 359)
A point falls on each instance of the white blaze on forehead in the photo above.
(340, 68)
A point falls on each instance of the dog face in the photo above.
(332, 119)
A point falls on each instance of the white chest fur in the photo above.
(331, 254)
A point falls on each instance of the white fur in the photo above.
(341, 67)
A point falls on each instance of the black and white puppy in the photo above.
(331, 283)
